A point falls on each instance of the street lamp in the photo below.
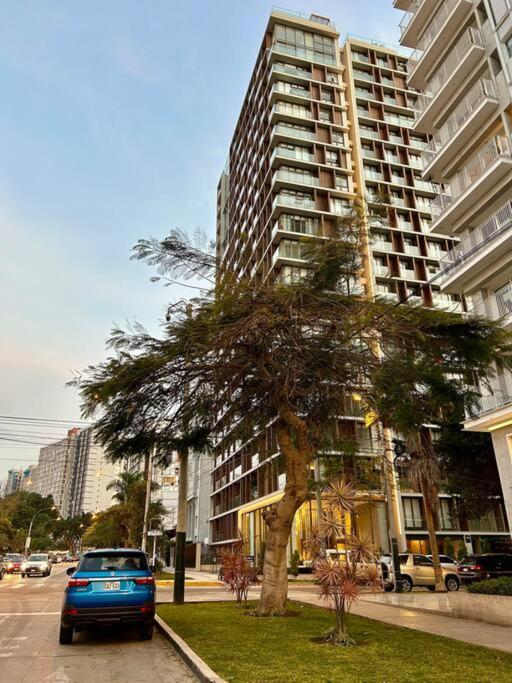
(27, 542)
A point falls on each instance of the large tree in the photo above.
(244, 355)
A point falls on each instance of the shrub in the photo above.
(237, 573)
(492, 587)
(294, 563)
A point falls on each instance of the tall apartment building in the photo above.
(13, 482)
(319, 126)
(463, 63)
(90, 476)
(29, 478)
(54, 469)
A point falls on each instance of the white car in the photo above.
(418, 570)
(38, 563)
(447, 562)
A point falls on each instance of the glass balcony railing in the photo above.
(430, 34)
(496, 395)
(291, 70)
(299, 154)
(290, 89)
(304, 53)
(280, 129)
(301, 178)
(290, 110)
(292, 200)
(409, 16)
(468, 105)
(497, 305)
(304, 228)
(471, 173)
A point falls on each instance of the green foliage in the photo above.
(449, 548)
(16, 512)
(462, 551)
(68, 532)
(485, 545)
(469, 462)
(294, 563)
(492, 587)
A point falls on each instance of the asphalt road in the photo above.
(30, 650)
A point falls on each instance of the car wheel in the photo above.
(65, 635)
(406, 584)
(452, 583)
(146, 631)
(22, 575)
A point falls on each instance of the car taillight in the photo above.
(78, 583)
(145, 581)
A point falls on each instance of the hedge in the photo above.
(492, 587)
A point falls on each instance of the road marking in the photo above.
(27, 614)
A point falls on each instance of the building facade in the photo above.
(54, 469)
(13, 481)
(91, 473)
(463, 63)
(321, 125)
(29, 478)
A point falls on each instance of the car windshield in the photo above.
(403, 559)
(13, 558)
(113, 561)
(38, 558)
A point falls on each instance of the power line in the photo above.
(42, 419)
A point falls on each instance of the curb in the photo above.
(194, 662)
(423, 610)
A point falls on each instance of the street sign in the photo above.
(154, 532)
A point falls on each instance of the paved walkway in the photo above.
(420, 600)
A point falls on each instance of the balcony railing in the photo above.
(291, 200)
(302, 228)
(291, 70)
(303, 53)
(497, 305)
(409, 16)
(430, 34)
(469, 38)
(478, 93)
(301, 178)
(298, 111)
(494, 227)
(471, 173)
(290, 89)
(298, 154)
(294, 132)
(497, 395)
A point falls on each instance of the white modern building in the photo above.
(462, 62)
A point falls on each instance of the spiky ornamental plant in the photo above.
(240, 357)
(237, 572)
(345, 574)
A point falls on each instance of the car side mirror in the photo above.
(152, 568)
(70, 570)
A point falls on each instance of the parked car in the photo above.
(417, 570)
(112, 587)
(447, 561)
(13, 562)
(37, 563)
(485, 566)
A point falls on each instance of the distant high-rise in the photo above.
(13, 482)
(463, 63)
(29, 479)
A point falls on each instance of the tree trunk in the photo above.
(279, 519)
(431, 528)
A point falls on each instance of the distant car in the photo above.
(417, 570)
(13, 562)
(485, 566)
(112, 587)
(447, 561)
(38, 563)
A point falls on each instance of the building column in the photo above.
(502, 442)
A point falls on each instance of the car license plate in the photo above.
(112, 585)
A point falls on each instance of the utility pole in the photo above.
(181, 530)
(149, 481)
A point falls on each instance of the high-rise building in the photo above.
(91, 473)
(463, 63)
(321, 125)
(29, 478)
(13, 482)
(54, 469)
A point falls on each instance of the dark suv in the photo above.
(488, 566)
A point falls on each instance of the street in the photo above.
(30, 651)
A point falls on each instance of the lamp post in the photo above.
(27, 542)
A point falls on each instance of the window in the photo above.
(302, 224)
(422, 561)
(341, 182)
(445, 514)
(339, 206)
(331, 157)
(324, 114)
(413, 513)
(508, 45)
(499, 10)
(112, 561)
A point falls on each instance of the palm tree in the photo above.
(124, 486)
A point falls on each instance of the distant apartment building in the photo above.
(462, 62)
(29, 479)
(75, 472)
(13, 482)
(90, 475)
(321, 125)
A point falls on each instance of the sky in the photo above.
(115, 122)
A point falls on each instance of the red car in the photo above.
(12, 563)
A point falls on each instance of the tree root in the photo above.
(334, 638)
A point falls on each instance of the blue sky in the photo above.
(115, 120)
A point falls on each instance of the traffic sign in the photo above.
(155, 532)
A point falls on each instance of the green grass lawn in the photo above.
(248, 649)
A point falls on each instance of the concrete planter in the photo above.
(493, 609)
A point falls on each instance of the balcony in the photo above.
(478, 250)
(447, 79)
(284, 111)
(484, 176)
(402, 4)
(446, 302)
(415, 19)
(291, 132)
(303, 205)
(382, 246)
(437, 36)
(298, 154)
(304, 53)
(291, 70)
(289, 92)
(497, 306)
(283, 228)
(495, 397)
(466, 121)
(282, 178)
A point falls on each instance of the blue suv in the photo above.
(112, 586)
